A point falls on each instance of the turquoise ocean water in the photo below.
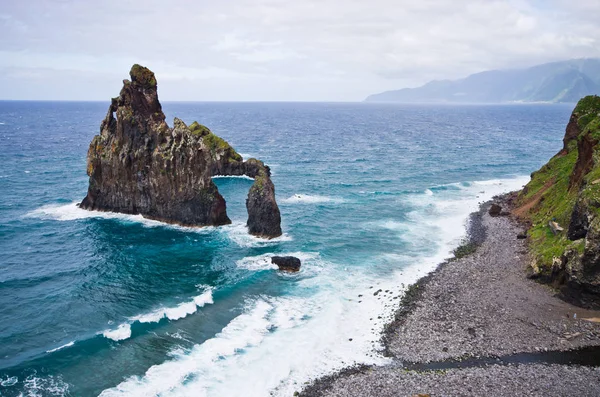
(371, 196)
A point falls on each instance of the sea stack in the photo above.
(140, 165)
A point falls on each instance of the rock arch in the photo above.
(139, 165)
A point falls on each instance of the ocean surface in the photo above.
(372, 197)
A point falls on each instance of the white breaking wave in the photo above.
(441, 219)
(233, 176)
(172, 313)
(279, 343)
(263, 262)
(238, 233)
(244, 331)
(175, 313)
(308, 199)
(61, 347)
(72, 212)
(327, 323)
(121, 333)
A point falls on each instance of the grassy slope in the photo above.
(548, 193)
(214, 143)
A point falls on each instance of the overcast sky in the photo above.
(293, 50)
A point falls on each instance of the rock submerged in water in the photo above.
(287, 263)
(139, 165)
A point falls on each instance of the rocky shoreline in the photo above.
(479, 307)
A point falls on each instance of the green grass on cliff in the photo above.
(217, 144)
(591, 187)
(142, 76)
(213, 142)
(556, 203)
(587, 109)
(549, 190)
(199, 129)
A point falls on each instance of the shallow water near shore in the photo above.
(372, 197)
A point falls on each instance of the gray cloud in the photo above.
(279, 49)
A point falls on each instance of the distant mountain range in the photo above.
(566, 81)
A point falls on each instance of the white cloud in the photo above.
(288, 50)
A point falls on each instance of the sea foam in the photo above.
(311, 199)
(44, 386)
(61, 347)
(238, 233)
(172, 313)
(121, 333)
(232, 176)
(263, 262)
(72, 212)
(329, 322)
(8, 381)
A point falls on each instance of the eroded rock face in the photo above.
(138, 165)
(264, 218)
(571, 133)
(579, 223)
(566, 191)
(579, 266)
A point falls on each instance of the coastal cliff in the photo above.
(562, 205)
(139, 165)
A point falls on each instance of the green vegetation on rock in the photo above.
(198, 129)
(551, 194)
(142, 76)
(467, 248)
(587, 109)
(550, 186)
(217, 144)
(259, 183)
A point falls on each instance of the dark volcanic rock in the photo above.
(224, 159)
(579, 224)
(264, 219)
(571, 133)
(495, 210)
(585, 160)
(287, 263)
(138, 165)
(252, 167)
